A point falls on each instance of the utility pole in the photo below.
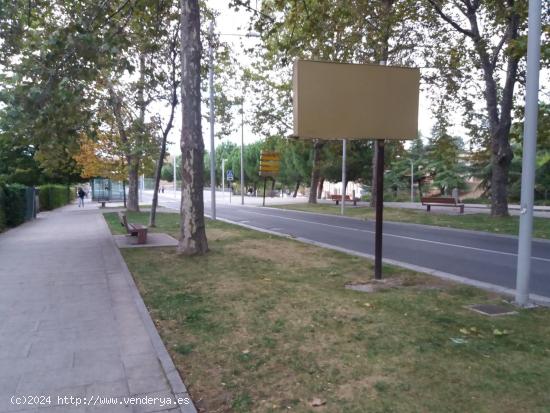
(211, 104)
(529, 155)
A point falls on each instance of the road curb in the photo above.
(438, 227)
(172, 375)
(535, 298)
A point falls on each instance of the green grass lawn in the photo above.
(477, 222)
(264, 324)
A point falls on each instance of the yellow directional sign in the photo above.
(264, 166)
(269, 163)
(270, 157)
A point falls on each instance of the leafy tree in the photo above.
(167, 173)
(357, 31)
(102, 157)
(444, 156)
(542, 177)
(490, 46)
(167, 76)
(51, 55)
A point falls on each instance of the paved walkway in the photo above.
(73, 324)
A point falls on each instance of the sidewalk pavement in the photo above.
(73, 324)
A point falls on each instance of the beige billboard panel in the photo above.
(355, 101)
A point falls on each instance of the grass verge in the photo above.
(264, 324)
(476, 222)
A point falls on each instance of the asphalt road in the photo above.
(480, 256)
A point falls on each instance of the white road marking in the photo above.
(400, 236)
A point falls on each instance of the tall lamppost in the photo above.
(212, 119)
(529, 154)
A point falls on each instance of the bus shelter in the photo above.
(107, 190)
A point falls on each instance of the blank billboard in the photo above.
(355, 101)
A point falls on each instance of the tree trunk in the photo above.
(501, 158)
(132, 203)
(320, 188)
(165, 132)
(154, 202)
(193, 232)
(296, 189)
(315, 171)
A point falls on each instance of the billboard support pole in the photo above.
(342, 212)
(379, 200)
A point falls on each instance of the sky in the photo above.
(230, 23)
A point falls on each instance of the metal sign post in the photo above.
(269, 167)
(265, 181)
(379, 203)
(343, 177)
(230, 178)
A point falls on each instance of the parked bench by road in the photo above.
(134, 230)
(442, 201)
(338, 198)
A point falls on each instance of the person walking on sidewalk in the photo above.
(81, 195)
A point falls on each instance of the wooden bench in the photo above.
(442, 201)
(134, 230)
(338, 198)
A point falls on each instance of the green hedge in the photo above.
(14, 204)
(54, 196)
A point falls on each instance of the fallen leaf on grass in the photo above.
(470, 331)
(316, 402)
(498, 332)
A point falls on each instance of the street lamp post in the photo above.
(529, 154)
(212, 150)
(211, 104)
